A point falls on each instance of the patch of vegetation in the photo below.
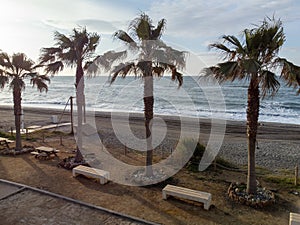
(60, 133)
(6, 135)
(281, 180)
(199, 150)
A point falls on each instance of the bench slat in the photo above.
(187, 191)
(189, 194)
(294, 219)
(91, 172)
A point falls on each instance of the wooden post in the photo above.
(71, 103)
(125, 150)
(61, 140)
(296, 175)
(11, 132)
(215, 164)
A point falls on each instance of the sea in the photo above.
(195, 98)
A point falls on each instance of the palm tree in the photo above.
(72, 51)
(154, 58)
(13, 71)
(255, 59)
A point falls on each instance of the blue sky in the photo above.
(27, 26)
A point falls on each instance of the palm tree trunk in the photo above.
(252, 124)
(79, 101)
(17, 111)
(148, 112)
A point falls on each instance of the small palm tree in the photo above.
(255, 59)
(73, 51)
(13, 71)
(154, 58)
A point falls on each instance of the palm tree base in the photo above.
(140, 177)
(262, 198)
(69, 163)
(24, 150)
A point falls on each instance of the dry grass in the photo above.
(146, 202)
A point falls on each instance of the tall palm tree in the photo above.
(154, 58)
(73, 51)
(256, 59)
(13, 71)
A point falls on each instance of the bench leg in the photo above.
(206, 205)
(164, 195)
(103, 180)
(74, 173)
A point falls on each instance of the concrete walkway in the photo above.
(21, 204)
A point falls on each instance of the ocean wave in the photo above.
(189, 100)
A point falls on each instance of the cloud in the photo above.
(93, 25)
(99, 25)
(198, 18)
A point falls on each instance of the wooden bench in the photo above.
(294, 219)
(102, 175)
(185, 193)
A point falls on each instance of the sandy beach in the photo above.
(278, 144)
(278, 148)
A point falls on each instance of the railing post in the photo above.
(71, 103)
(296, 175)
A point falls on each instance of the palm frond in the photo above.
(144, 67)
(18, 83)
(123, 36)
(158, 71)
(48, 54)
(176, 76)
(229, 71)
(157, 32)
(5, 61)
(21, 62)
(250, 65)
(141, 27)
(54, 67)
(40, 82)
(93, 42)
(62, 41)
(3, 81)
(233, 41)
(229, 54)
(269, 83)
(289, 72)
(122, 69)
(69, 57)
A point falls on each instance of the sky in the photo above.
(27, 26)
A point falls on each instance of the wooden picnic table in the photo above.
(49, 151)
(5, 141)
